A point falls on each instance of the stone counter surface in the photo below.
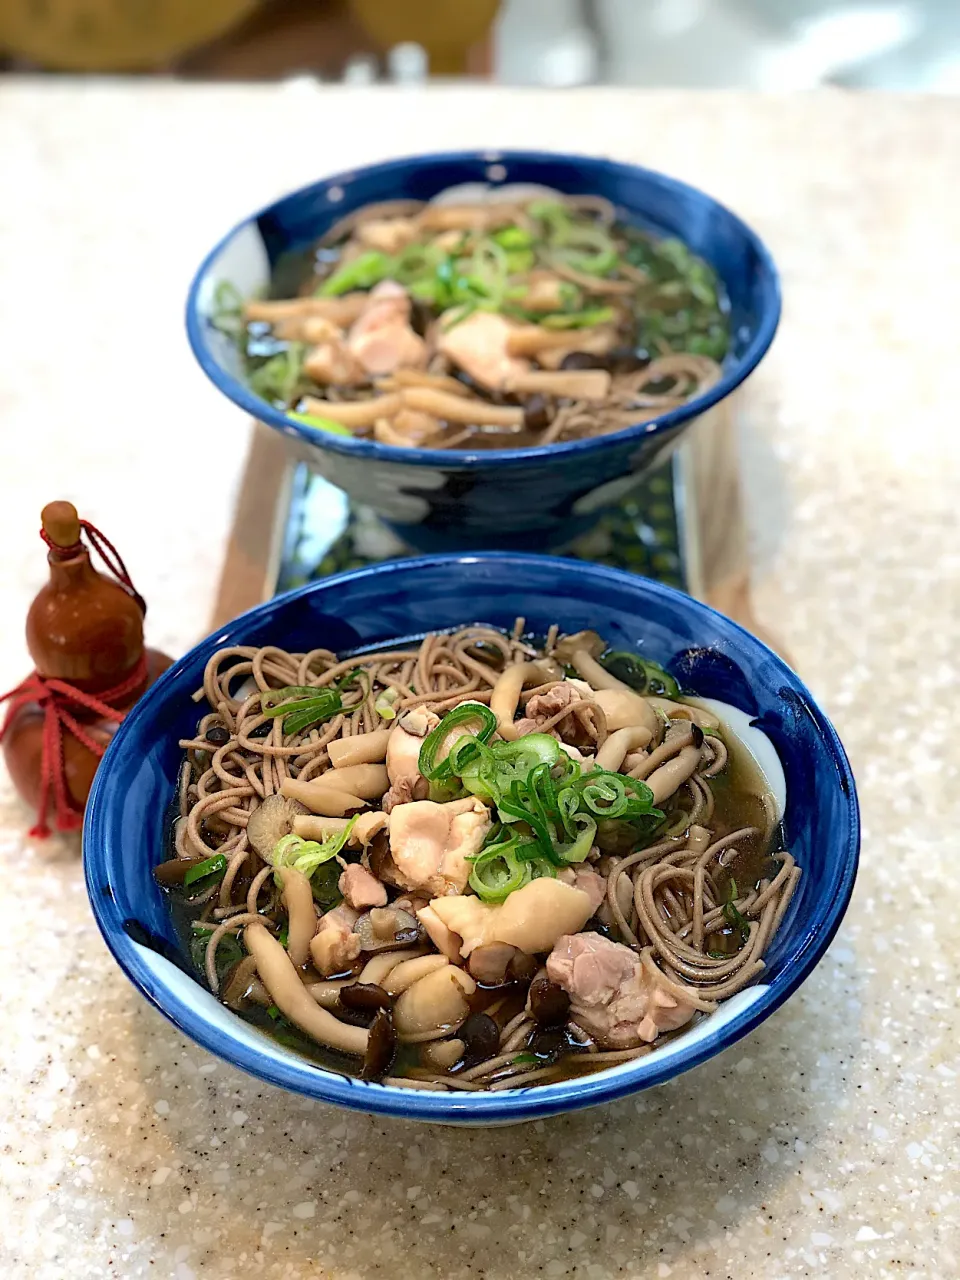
(826, 1143)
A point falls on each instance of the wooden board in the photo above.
(715, 536)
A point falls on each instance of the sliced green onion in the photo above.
(553, 212)
(524, 754)
(439, 770)
(227, 313)
(208, 867)
(513, 238)
(640, 674)
(307, 855)
(277, 378)
(578, 848)
(606, 797)
(384, 704)
(303, 706)
(578, 319)
(321, 424)
(519, 261)
(361, 273)
(497, 871)
(592, 264)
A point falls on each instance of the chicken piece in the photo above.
(335, 946)
(613, 995)
(366, 826)
(430, 843)
(382, 339)
(585, 878)
(531, 919)
(447, 942)
(361, 889)
(332, 364)
(405, 791)
(403, 746)
(544, 706)
(407, 783)
(478, 345)
(389, 235)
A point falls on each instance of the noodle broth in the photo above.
(701, 854)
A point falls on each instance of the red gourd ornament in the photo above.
(85, 635)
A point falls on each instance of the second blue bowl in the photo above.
(528, 499)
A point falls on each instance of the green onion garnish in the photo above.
(435, 770)
(321, 424)
(307, 855)
(303, 706)
(578, 319)
(549, 806)
(641, 674)
(208, 867)
(733, 916)
(362, 273)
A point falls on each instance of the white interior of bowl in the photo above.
(243, 262)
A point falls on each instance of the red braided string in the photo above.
(57, 697)
(107, 552)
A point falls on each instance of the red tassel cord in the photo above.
(59, 700)
(107, 552)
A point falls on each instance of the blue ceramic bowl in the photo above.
(123, 833)
(527, 499)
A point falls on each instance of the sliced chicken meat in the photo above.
(478, 346)
(544, 706)
(586, 879)
(361, 889)
(333, 364)
(531, 919)
(407, 783)
(382, 340)
(430, 843)
(335, 946)
(613, 995)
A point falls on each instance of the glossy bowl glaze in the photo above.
(124, 828)
(529, 499)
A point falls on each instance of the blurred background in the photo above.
(763, 44)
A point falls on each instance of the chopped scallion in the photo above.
(208, 867)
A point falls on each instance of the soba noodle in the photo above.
(674, 903)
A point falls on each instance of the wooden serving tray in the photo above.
(686, 527)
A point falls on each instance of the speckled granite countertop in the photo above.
(823, 1145)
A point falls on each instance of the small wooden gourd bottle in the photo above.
(85, 635)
